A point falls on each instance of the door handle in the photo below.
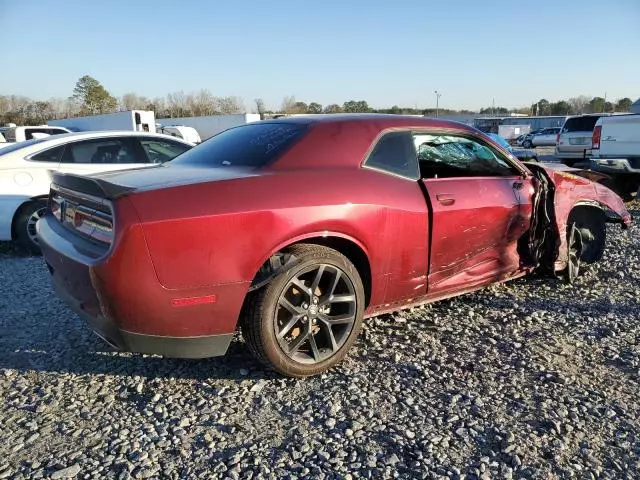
(446, 199)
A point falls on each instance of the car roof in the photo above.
(381, 120)
(30, 146)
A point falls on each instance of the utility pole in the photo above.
(438, 95)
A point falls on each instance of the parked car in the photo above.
(615, 150)
(526, 136)
(543, 138)
(524, 155)
(14, 134)
(25, 166)
(295, 229)
(575, 138)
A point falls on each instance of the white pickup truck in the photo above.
(12, 134)
(615, 150)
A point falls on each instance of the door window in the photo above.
(111, 150)
(49, 155)
(449, 156)
(160, 151)
(394, 153)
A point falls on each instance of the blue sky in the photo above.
(326, 51)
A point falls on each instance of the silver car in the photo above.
(543, 138)
(575, 138)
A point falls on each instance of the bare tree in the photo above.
(579, 104)
(202, 103)
(260, 107)
(177, 104)
(132, 101)
(230, 105)
(288, 104)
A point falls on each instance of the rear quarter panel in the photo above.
(221, 232)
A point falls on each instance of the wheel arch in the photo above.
(345, 244)
(17, 211)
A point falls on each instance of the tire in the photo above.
(591, 223)
(574, 249)
(270, 329)
(568, 163)
(527, 144)
(24, 225)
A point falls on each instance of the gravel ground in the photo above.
(529, 379)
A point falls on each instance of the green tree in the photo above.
(624, 105)
(543, 107)
(596, 105)
(314, 108)
(560, 108)
(353, 106)
(333, 108)
(92, 97)
(494, 111)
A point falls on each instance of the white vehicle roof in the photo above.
(30, 146)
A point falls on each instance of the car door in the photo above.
(481, 206)
(103, 154)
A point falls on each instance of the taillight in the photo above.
(73, 213)
(595, 138)
(92, 223)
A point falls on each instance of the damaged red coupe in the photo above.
(295, 229)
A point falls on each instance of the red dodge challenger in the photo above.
(295, 229)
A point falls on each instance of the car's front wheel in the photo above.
(305, 320)
(25, 225)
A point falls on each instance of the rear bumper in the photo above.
(176, 347)
(572, 152)
(615, 165)
(121, 300)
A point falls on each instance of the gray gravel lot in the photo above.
(528, 379)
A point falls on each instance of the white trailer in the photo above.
(132, 120)
(210, 125)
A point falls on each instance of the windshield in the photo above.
(251, 145)
(580, 124)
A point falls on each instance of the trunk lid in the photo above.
(114, 184)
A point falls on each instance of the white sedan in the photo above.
(25, 166)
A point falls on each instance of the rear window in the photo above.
(251, 145)
(580, 124)
(19, 145)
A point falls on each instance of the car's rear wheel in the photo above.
(527, 144)
(305, 320)
(25, 225)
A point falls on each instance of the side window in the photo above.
(448, 156)
(111, 150)
(49, 155)
(394, 153)
(160, 151)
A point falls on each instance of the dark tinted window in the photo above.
(105, 150)
(160, 151)
(580, 124)
(395, 153)
(28, 133)
(50, 155)
(251, 145)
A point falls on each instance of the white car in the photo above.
(25, 167)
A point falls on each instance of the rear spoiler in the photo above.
(93, 186)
